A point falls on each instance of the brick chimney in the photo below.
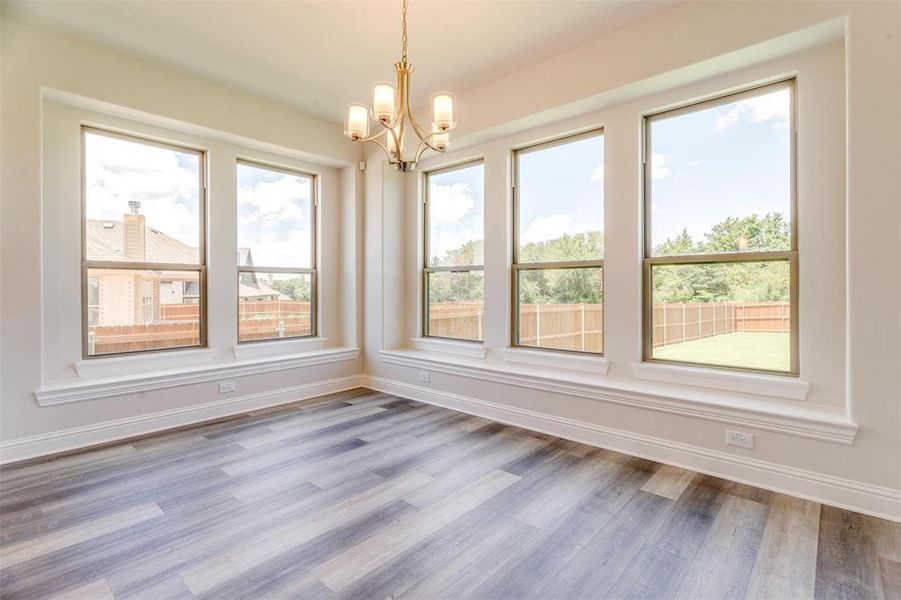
(133, 233)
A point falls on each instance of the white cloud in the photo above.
(598, 173)
(273, 220)
(119, 171)
(659, 168)
(547, 228)
(449, 203)
(770, 108)
(693, 163)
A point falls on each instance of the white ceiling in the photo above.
(321, 55)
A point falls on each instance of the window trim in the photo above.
(200, 268)
(428, 269)
(516, 266)
(312, 271)
(790, 255)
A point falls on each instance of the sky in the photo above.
(731, 160)
(166, 183)
(561, 190)
(456, 209)
(274, 216)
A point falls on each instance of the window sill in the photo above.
(278, 347)
(570, 361)
(94, 388)
(461, 348)
(758, 384)
(824, 423)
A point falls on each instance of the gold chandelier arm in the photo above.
(373, 137)
(423, 146)
(391, 158)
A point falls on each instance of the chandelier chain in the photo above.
(404, 31)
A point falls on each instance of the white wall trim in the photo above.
(110, 431)
(808, 421)
(776, 386)
(853, 495)
(82, 390)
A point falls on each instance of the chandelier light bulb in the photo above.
(443, 111)
(441, 141)
(383, 104)
(357, 124)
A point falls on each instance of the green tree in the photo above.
(296, 288)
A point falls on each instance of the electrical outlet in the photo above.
(227, 386)
(740, 439)
(424, 376)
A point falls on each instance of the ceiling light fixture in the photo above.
(391, 109)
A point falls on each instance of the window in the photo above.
(558, 245)
(143, 225)
(720, 268)
(276, 253)
(453, 275)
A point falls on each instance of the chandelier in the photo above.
(391, 109)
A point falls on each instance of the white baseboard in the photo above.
(110, 431)
(853, 495)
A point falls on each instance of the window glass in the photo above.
(456, 216)
(720, 178)
(143, 243)
(142, 201)
(559, 250)
(276, 253)
(454, 237)
(275, 216)
(560, 201)
(721, 258)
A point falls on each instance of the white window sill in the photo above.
(110, 366)
(759, 384)
(93, 388)
(461, 348)
(570, 361)
(277, 347)
(824, 423)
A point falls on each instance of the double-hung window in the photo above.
(453, 278)
(276, 253)
(558, 245)
(721, 260)
(142, 242)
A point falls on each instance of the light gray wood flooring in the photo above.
(366, 495)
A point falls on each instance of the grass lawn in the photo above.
(763, 350)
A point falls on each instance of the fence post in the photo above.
(684, 335)
(698, 305)
(91, 338)
(281, 328)
(537, 324)
(663, 318)
(782, 317)
(582, 327)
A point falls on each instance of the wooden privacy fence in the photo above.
(179, 325)
(581, 326)
(686, 321)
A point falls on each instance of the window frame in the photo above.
(516, 266)
(791, 255)
(427, 269)
(200, 267)
(312, 271)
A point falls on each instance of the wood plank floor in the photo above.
(366, 495)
